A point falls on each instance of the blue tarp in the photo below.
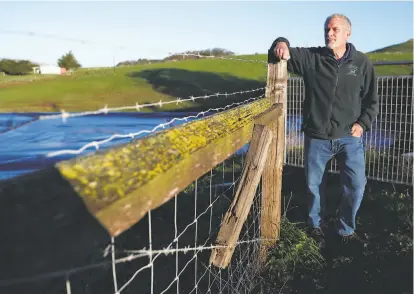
(25, 141)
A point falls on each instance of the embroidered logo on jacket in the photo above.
(352, 70)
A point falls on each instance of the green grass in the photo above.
(94, 88)
(392, 70)
(89, 89)
(8, 79)
(296, 257)
(406, 47)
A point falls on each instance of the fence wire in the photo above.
(389, 143)
(168, 251)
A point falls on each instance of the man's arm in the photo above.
(299, 57)
(370, 100)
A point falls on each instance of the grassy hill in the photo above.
(92, 89)
(397, 52)
(405, 47)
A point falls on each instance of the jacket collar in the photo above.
(349, 53)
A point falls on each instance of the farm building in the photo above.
(49, 70)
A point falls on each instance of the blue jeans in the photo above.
(349, 153)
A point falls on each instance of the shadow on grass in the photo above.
(184, 84)
(381, 263)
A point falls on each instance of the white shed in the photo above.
(48, 70)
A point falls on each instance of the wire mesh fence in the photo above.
(389, 143)
(181, 235)
(168, 251)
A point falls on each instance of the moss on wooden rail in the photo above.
(111, 182)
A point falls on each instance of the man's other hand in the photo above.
(356, 130)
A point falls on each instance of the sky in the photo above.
(103, 33)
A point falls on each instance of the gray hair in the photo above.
(341, 16)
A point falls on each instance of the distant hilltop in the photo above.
(405, 47)
(207, 52)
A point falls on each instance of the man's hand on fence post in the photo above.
(282, 51)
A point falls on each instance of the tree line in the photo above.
(16, 67)
(24, 67)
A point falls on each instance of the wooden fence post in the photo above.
(276, 91)
(252, 171)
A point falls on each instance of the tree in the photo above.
(16, 67)
(68, 61)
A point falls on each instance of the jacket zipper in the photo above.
(336, 86)
(334, 92)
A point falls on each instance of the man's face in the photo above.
(336, 33)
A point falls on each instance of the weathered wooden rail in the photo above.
(51, 220)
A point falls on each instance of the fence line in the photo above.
(389, 143)
(65, 115)
(218, 57)
(375, 63)
(96, 144)
(211, 207)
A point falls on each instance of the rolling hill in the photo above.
(148, 83)
(405, 47)
(398, 52)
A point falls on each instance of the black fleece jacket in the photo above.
(337, 94)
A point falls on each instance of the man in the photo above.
(340, 104)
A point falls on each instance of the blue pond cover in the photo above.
(26, 141)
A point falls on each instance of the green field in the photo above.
(89, 89)
(92, 89)
(10, 79)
